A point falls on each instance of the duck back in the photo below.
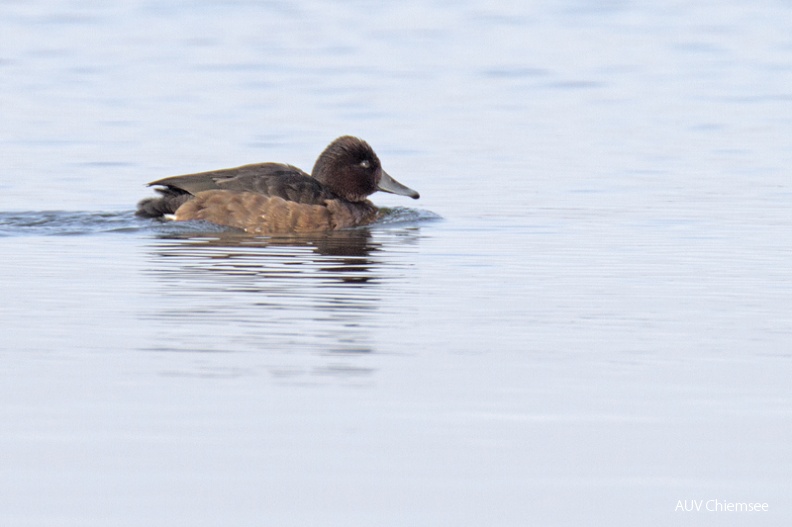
(269, 179)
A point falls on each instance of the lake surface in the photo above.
(585, 320)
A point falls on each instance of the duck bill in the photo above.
(388, 184)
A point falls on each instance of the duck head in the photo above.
(350, 168)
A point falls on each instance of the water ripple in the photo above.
(66, 223)
(77, 223)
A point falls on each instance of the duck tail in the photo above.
(171, 199)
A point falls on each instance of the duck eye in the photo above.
(365, 163)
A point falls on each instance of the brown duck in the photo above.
(269, 198)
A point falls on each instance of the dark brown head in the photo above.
(350, 168)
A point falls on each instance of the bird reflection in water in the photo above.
(318, 293)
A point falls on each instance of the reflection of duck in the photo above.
(269, 198)
(310, 291)
(345, 243)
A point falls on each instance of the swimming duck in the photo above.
(268, 198)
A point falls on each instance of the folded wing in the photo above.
(268, 179)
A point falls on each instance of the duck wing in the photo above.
(270, 179)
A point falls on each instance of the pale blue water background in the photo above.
(599, 326)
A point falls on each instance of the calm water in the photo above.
(585, 320)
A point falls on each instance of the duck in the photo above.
(273, 198)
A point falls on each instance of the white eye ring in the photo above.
(365, 163)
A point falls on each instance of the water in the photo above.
(585, 319)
